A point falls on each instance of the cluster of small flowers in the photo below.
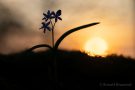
(47, 19)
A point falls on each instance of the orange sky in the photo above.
(116, 27)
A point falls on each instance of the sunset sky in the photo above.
(20, 21)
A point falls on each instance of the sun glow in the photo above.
(96, 46)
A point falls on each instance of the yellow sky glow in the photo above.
(116, 27)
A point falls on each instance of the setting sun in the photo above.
(96, 46)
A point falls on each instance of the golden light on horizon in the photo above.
(115, 28)
(96, 46)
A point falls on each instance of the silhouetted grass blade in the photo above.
(71, 31)
(39, 46)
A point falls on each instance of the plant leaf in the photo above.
(39, 46)
(71, 31)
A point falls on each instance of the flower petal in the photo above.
(58, 13)
(52, 13)
(45, 15)
(59, 18)
(44, 18)
(48, 12)
(48, 28)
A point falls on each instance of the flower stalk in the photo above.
(53, 25)
(48, 24)
(50, 19)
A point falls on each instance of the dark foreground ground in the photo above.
(75, 71)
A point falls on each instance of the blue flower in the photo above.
(47, 16)
(56, 15)
(45, 26)
(48, 20)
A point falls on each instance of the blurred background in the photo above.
(20, 21)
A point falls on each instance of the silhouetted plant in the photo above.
(50, 19)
